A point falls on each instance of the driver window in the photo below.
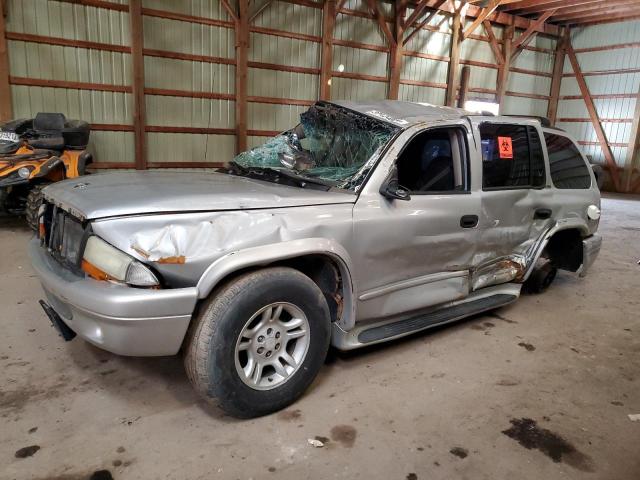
(434, 161)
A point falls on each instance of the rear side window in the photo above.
(568, 169)
(511, 156)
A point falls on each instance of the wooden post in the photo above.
(464, 85)
(397, 50)
(242, 58)
(556, 82)
(503, 71)
(6, 111)
(137, 85)
(634, 147)
(454, 60)
(595, 119)
(329, 13)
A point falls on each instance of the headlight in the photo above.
(24, 172)
(104, 262)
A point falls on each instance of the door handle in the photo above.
(469, 221)
(542, 213)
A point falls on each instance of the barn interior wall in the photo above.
(74, 57)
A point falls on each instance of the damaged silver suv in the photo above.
(364, 223)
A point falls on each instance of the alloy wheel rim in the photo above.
(272, 346)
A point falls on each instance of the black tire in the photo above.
(541, 278)
(34, 200)
(210, 354)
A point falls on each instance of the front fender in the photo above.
(266, 254)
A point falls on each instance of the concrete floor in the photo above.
(436, 405)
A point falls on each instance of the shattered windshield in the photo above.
(331, 145)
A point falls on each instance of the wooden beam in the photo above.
(527, 7)
(595, 119)
(395, 59)
(6, 110)
(242, 58)
(493, 42)
(633, 150)
(594, 7)
(556, 80)
(610, 19)
(498, 17)
(260, 9)
(382, 22)
(529, 33)
(417, 12)
(488, 10)
(137, 83)
(424, 22)
(579, 17)
(454, 59)
(232, 13)
(503, 71)
(329, 13)
(464, 86)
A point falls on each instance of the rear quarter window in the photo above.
(567, 166)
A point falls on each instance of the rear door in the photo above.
(516, 198)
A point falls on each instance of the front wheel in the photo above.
(34, 200)
(259, 342)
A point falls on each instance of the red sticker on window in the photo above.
(506, 147)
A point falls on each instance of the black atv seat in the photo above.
(49, 131)
(49, 122)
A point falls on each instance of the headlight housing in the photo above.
(24, 172)
(105, 262)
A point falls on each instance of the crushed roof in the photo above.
(401, 113)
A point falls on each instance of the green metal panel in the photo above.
(196, 8)
(184, 37)
(263, 116)
(273, 83)
(190, 112)
(184, 147)
(284, 51)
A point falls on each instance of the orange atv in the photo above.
(36, 152)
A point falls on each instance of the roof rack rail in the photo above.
(543, 120)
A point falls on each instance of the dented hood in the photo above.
(132, 193)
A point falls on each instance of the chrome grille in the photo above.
(64, 236)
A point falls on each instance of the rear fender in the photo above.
(543, 241)
(267, 254)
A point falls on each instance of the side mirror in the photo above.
(390, 188)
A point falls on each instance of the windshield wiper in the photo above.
(303, 179)
(261, 172)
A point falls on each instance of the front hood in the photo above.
(130, 193)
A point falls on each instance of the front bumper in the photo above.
(117, 318)
(590, 249)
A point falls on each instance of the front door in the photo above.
(416, 253)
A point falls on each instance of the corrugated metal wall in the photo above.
(276, 98)
(617, 91)
(426, 60)
(531, 75)
(190, 70)
(190, 79)
(40, 61)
